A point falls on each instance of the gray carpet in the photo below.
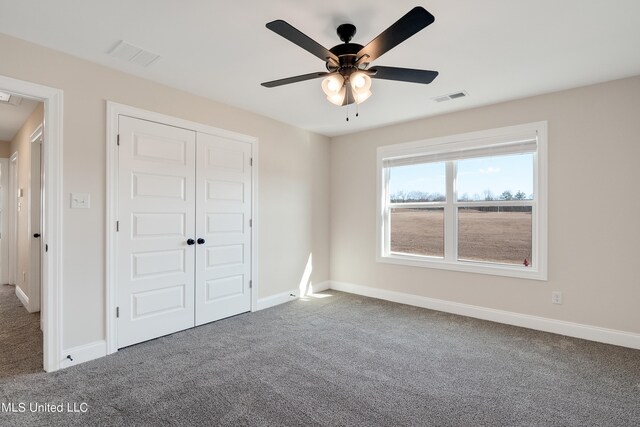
(20, 336)
(344, 360)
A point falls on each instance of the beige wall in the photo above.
(593, 150)
(293, 213)
(21, 144)
(5, 149)
(594, 147)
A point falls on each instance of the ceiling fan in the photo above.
(348, 76)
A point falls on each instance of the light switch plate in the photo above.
(80, 200)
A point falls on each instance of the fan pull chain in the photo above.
(348, 104)
(357, 111)
(346, 82)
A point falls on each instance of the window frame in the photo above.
(447, 146)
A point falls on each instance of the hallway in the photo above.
(20, 336)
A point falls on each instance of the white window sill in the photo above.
(465, 266)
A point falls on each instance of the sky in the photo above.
(475, 176)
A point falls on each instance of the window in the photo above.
(474, 202)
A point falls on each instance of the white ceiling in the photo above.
(496, 50)
(12, 117)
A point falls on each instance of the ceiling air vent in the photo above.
(451, 96)
(133, 54)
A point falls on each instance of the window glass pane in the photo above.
(417, 231)
(495, 234)
(495, 178)
(424, 182)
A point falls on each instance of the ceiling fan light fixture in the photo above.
(332, 84)
(361, 86)
(338, 97)
(348, 79)
(360, 81)
(335, 87)
(361, 97)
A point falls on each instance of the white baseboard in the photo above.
(83, 353)
(24, 299)
(576, 330)
(277, 299)
(320, 287)
(283, 297)
(98, 349)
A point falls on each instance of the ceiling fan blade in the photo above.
(403, 74)
(295, 36)
(411, 23)
(295, 79)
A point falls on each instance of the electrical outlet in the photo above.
(556, 297)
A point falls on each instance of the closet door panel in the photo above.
(156, 213)
(223, 214)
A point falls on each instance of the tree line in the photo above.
(487, 195)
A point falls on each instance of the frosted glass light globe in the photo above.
(332, 84)
(359, 81)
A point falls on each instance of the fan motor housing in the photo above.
(347, 56)
(346, 49)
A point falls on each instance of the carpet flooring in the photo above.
(342, 360)
(20, 336)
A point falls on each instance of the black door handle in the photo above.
(190, 242)
(36, 235)
(200, 241)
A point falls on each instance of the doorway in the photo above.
(20, 326)
(50, 244)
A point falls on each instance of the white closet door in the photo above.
(223, 209)
(156, 218)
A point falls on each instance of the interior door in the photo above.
(4, 229)
(223, 224)
(35, 210)
(12, 217)
(156, 215)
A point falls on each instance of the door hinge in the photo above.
(118, 140)
(46, 248)
(250, 284)
(117, 226)
(250, 223)
(117, 312)
(251, 161)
